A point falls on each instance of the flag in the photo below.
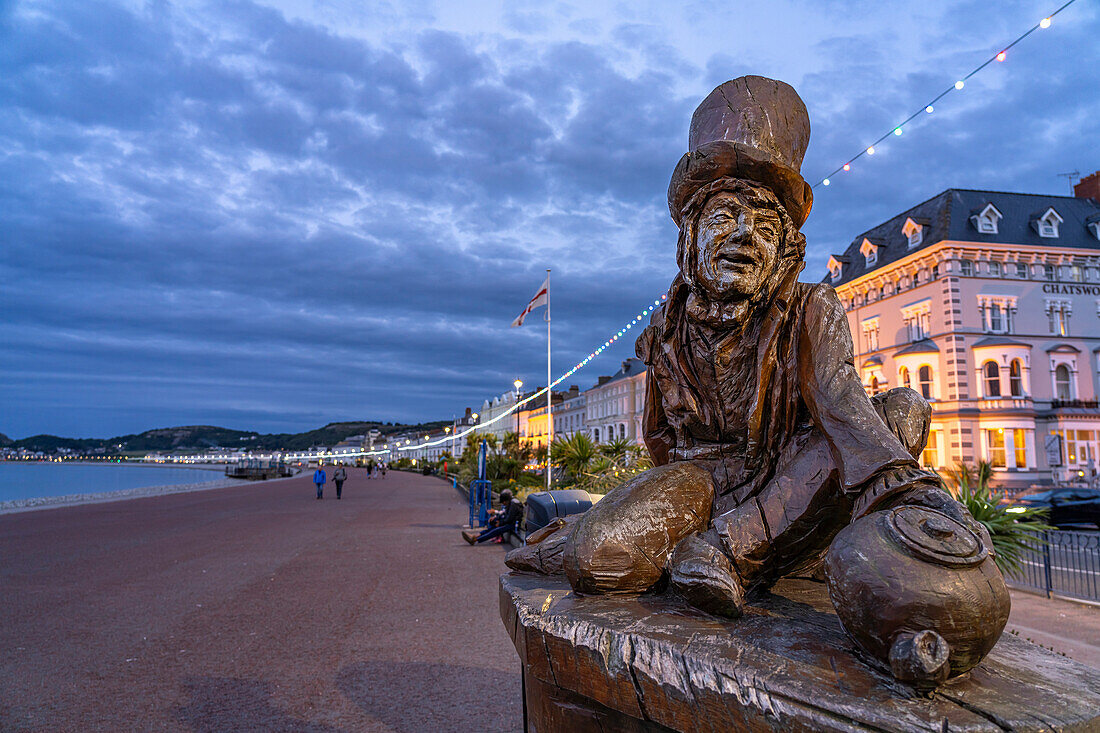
(539, 299)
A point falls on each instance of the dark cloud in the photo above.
(228, 215)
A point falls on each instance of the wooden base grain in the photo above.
(652, 663)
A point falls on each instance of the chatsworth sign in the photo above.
(1071, 289)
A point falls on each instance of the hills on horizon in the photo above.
(203, 437)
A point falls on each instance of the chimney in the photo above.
(574, 390)
(1088, 187)
(603, 381)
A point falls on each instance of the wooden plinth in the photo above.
(605, 663)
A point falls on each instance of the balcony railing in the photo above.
(1080, 404)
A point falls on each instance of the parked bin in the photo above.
(544, 506)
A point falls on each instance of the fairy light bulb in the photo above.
(871, 150)
(1001, 56)
(960, 84)
(847, 166)
(929, 109)
(1044, 23)
(825, 182)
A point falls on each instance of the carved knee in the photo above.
(907, 414)
(622, 544)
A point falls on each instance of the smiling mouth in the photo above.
(736, 258)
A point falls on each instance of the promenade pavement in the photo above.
(255, 608)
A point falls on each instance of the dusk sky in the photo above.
(273, 216)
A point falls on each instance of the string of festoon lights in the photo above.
(930, 107)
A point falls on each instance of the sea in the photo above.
(20, 480)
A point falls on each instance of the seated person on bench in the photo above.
(504, 520)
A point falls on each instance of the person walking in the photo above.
(319, 478)
(381, 470)
(339, 476)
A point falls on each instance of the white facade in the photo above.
(614, 405)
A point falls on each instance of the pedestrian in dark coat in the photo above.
(339, 476)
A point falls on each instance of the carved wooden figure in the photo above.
(767, 449)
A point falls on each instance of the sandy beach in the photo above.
(255, 607)
(53, 502)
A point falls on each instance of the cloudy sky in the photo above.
(272, 216)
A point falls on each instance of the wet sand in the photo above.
(255, 607)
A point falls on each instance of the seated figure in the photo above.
(764, 442)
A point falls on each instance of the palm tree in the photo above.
(574, 454)
(1012, 538)
(616, 450)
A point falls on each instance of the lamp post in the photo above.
(518, 383)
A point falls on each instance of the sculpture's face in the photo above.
(737, 245)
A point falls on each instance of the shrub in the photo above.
(1012, 538)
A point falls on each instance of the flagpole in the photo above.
(549, 417)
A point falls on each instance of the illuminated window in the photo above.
(996, 441)
(1079, 446)
(875, 389)
(930, 457)
(1018, 438)
(992, 379)
(903, 377)
(924, 377)
(1015, 379)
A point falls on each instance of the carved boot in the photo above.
(701, 573)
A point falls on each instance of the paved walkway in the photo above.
(255, 607)
(1067, 627)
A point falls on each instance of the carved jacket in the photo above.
(734, 401)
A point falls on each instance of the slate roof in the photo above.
(947, 216)
(998, 341)
(630, 368)
(924, 346)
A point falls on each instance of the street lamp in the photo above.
(518, 383)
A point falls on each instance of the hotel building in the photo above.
(988, 304)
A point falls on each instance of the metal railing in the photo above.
(1068, 564)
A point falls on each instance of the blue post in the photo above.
(481, 493)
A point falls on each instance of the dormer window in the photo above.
(913, 232)
(988, 220)
(836, 268)
(1047, 224)
(869, 251)
(1094, 227)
